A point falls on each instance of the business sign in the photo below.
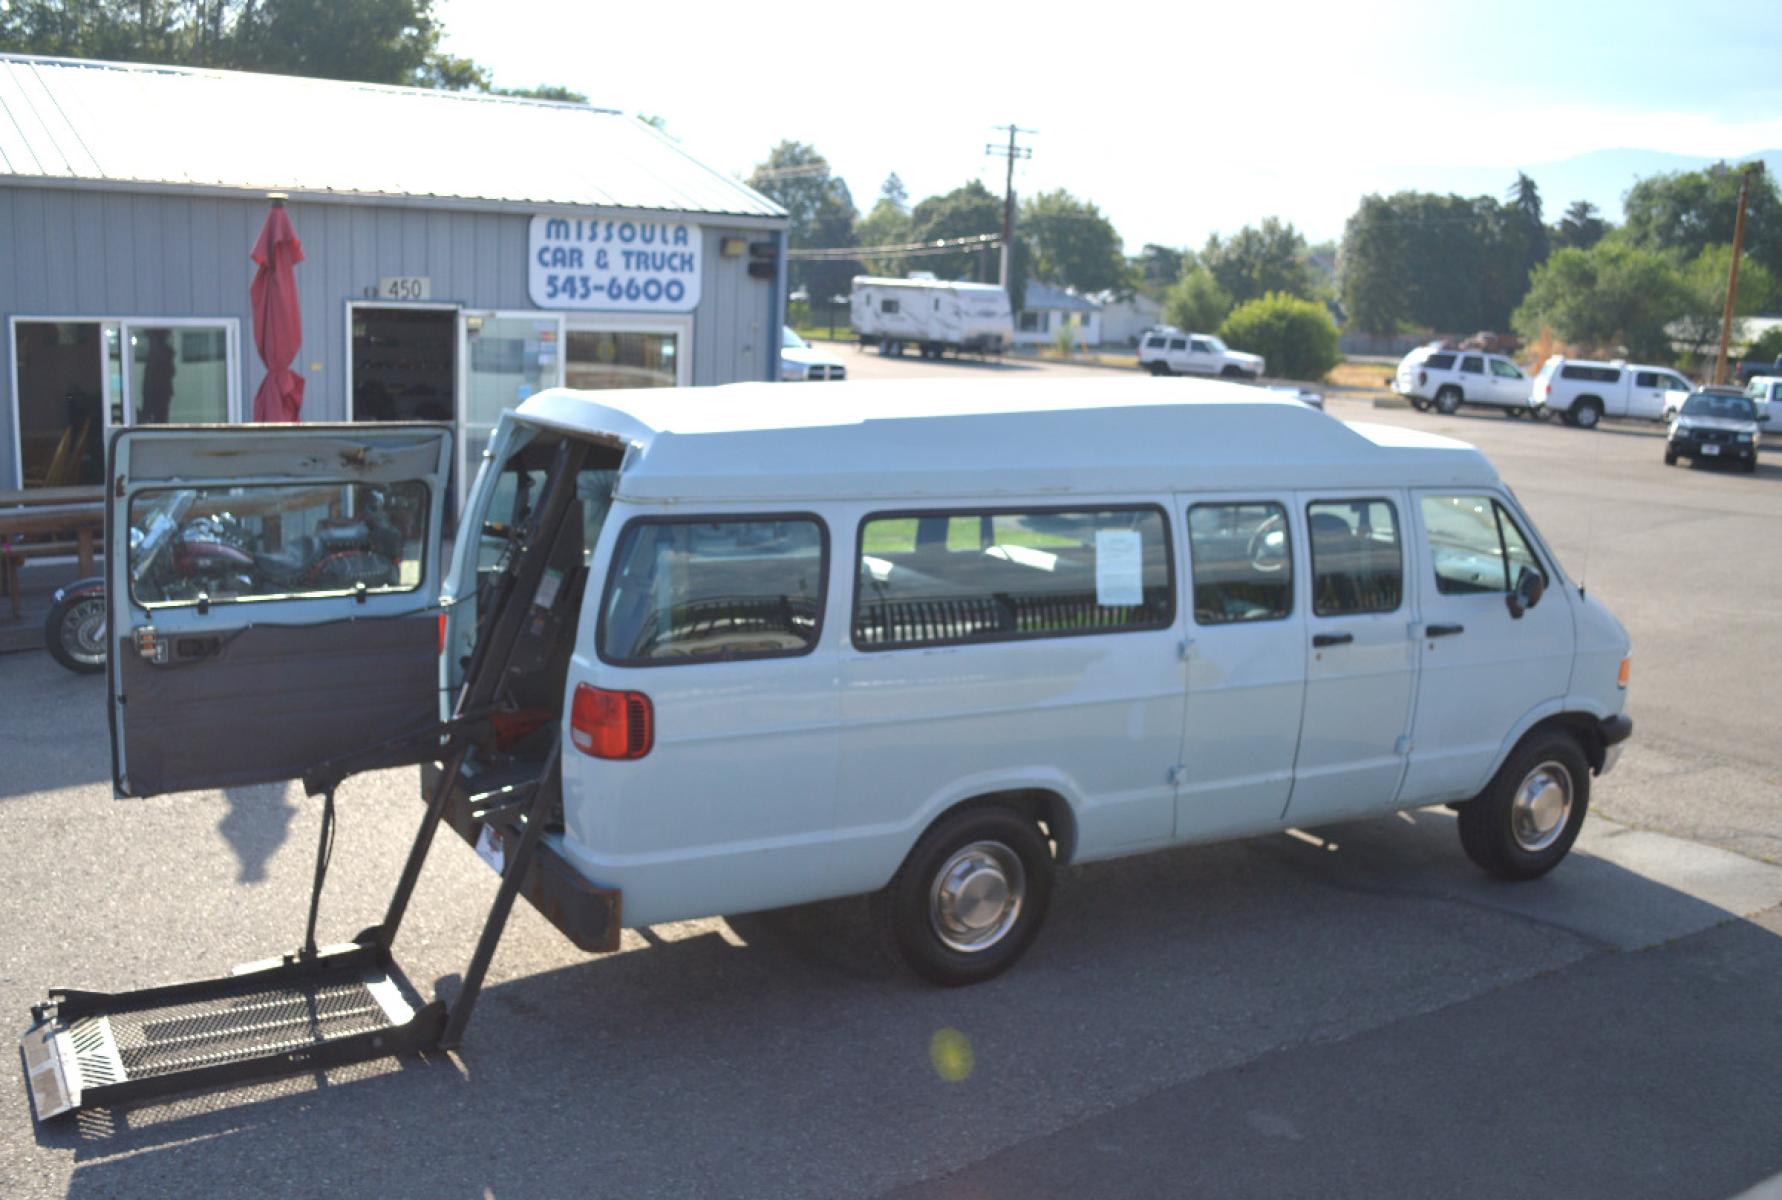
(613, 264)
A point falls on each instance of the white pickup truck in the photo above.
(1583, 393)
(1172, 352)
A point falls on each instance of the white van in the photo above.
(1582, 393)
(931, 641)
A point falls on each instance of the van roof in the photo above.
(924, 439)
(951, 285)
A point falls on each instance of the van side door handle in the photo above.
(1443, 630)
(1332, 639)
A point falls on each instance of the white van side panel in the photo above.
(1476, 684)
(1094, 719)
(731, 810)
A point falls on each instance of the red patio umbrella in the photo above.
(278, 327)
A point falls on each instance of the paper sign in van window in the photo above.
(1119, 567)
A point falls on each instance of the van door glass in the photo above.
(1242, 562)
(1357, 565)
(706, 590)
(1464, 545)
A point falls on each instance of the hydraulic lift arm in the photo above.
(325, 1007)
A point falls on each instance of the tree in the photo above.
(1196, 302)
(1160, 266)
(1582, 226)
(1610, 297)
(1687, 211)
(368, 41)
(1704, 281)
(886, 225)
(797, 177)
(1767, 347)
(1447, 263)
(1073, 244)
(1257, 261)
(547, 91)
(1526, 227)
(1296, 336)
(968, 211)
(894, 191)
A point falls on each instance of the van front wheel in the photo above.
(1528, 816)
(970, 897)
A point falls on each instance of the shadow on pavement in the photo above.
(258, 820)
(1355, 1012)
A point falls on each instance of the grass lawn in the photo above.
(1360, 376)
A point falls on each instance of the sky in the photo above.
(1177, 120)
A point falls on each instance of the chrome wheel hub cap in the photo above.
(1542, 804)
(83, 630)
(977, 896)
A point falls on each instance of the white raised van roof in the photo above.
(910, 440)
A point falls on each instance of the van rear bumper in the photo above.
(588, 915)
(1614, 731)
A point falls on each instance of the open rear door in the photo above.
(273, 598)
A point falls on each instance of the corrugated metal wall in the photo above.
(86, 253)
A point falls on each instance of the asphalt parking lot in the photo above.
(1355, 1011)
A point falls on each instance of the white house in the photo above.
(1048, 309)
(1123, 320)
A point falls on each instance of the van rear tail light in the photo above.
(1422, 378)
(606, 724)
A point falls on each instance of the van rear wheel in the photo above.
(1447, 401)
(1160, 368)
(970, 897)
(1528, 816)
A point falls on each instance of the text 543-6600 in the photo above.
(615, 288)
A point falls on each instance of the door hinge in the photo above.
(1185, 649)
(1402, 747)
(1176, 774)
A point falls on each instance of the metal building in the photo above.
(461, 252)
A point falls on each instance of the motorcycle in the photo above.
(215, 556)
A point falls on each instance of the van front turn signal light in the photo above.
(1626, 670)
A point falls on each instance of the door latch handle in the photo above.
(1443, 630)
(1332, 639)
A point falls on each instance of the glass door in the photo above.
(174, 372)
(506, 357)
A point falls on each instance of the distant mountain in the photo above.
(1602, 177)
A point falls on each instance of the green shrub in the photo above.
(1296, 336)
(1767, 348)
(1196, 302)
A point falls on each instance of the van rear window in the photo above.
(704, 590)
(933, 578)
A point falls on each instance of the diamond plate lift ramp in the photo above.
(321, 1008)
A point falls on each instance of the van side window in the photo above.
(704, 590)
(933, 578)
(1504, 370)
(1357, 564)
(1178, 343)
(1242, 561)
(1439, 362)
(1472, 364)
(887, 306)
(1474, 545)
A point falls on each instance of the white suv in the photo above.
(1583, 393)
(1434, 377)
(1172, 352)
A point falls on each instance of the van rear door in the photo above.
(272, 597)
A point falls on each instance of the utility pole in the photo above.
(1012, 152)
(1732, 276)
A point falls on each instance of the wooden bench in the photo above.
(66, 528)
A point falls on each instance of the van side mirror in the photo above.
(1530, 587)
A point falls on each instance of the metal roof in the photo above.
(131, 125)
(1044, 295)
(895, 441)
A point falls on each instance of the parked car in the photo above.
(1674, 401)
(800, 361)
(1721, 425)
(1178, 353)
(1434, 377)
(1765, 391)
(1748, 371)
(1582, 392)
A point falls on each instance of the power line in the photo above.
(896, 249)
